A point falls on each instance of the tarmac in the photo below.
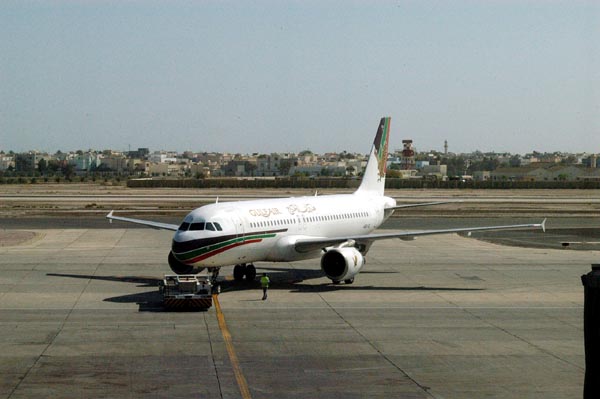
(440, 317)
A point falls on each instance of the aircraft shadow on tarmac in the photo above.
(281, 279)
(147, 301)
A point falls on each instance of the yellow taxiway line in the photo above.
(235, 363)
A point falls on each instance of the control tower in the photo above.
(407, 160)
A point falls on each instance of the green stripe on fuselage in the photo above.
(200, 251)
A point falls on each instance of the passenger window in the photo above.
(218, 226)
(197, 226)
(209, 226)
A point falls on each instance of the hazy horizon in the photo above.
(268, 76)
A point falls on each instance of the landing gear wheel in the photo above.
(336, 281)
(349, 281)
(250, 273)
(238, 272)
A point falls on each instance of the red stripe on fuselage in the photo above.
(220, 250)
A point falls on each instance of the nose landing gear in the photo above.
(243, 270)
(213, 279)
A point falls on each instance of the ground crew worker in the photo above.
(264, 282)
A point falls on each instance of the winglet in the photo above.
(543, 225)
(109, 216)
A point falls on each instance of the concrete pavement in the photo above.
(443, 316)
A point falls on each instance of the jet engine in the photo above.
(181, 268)
(342, 264)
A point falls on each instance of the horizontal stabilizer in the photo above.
(423, 204)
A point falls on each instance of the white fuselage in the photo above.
(336, 228)
(266, 230)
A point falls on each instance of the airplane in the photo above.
(336, 228)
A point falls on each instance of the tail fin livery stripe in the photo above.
(381, 144)
(373, 181)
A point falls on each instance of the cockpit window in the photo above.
(200, 226)
(197, 226)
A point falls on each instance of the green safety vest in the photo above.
(264, 281)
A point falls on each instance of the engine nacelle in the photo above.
(342, 263)
(181, 268)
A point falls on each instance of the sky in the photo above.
(285, 76)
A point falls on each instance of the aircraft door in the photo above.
(238, 223)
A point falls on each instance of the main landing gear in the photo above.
(347, 281)
(243, 270)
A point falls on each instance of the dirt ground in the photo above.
(10, 238)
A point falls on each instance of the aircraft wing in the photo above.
(311, 244)
(156, 225)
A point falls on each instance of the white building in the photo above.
(6, 161)
(162, 157)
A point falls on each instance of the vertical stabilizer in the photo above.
(373, 181)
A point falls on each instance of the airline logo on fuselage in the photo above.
(265, 212)
(292, 210)
(306, 208)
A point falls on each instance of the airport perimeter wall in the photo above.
(342, 183)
